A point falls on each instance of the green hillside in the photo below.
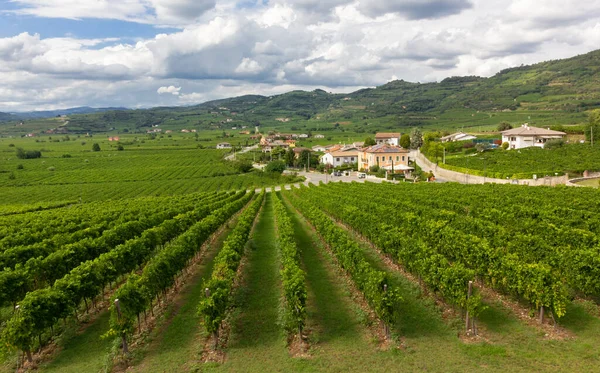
(547, 93)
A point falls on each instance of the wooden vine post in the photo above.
(387, 327)
(467, 321)
(541, 314)
(216, 332)
(123, 336)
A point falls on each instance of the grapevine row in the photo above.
(213, 307)
(292, 276)
(135, 296)
(373, 283)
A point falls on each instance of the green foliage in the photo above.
(243, 166)
(505, 145)
(275, 166)
(503, 126)
(293, 277)
(523, 163)
(554, 143)
(28, 154)
(369, 141)
(96, 147)
(593, 127)
(370, 281)
(416, 139)
(405, 141)
(213, 307)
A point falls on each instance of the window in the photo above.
(513, 139)
(337, 159)
(398, 158)
(390, 158)
(351, 159)
(402, 158)
(377, 159)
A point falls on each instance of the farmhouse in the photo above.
(269, 146)
(458, 136)
(339, 156)
(224, 145)
(319, 136)
(389, 157)
(526, 136)
(391, 138)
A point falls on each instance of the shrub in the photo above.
(29, 154)
(120, 147)
(66, 155)
(51, 168)
(374, 168)
(20, 167)
(504, 126)
(505, 145)
(11, 176)
(554, 143)
(275, 166)
(96, 147)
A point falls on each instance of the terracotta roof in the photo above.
(526, 130)
(386, 135)
(345, 154)
(385, 148)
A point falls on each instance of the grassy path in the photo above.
(176, 345)
(85, 352)
(256, 341)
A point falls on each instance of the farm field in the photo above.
(523, 163)
(70, 171)
(337, 277)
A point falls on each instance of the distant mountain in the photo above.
(6, 117)
(558, 92)
(54, 113)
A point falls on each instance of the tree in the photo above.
(503, 126)
(96, 147)
(416, 139)
(289, 157)
(593, 128)
(405, 141)
(369, 141)
(275, 166)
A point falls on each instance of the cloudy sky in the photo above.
(141, 53)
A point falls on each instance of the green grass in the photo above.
(85, 352)
(175, 345)
(256, 339)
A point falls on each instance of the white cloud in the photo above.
(170, 89)
(223, 49)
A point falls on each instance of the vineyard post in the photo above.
(468, 296)
(541, 314)
(123, 336)
(216, 332)
(387, 327)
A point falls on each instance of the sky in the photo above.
(58, 54)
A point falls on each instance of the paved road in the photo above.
(230, 156)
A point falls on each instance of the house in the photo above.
(526, 136)
(319, 148)
(386, 156)
(391, 138)
(303, 136)
(224, 145)
(458, 136)
(339, 156)
(269, 146)
(319, 136)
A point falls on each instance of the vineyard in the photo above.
(336, 277)
(66, 173)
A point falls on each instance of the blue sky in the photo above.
(142, 53)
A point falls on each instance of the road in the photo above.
(230, 157)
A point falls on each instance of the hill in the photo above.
(547, 93)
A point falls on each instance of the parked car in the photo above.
(362, 175)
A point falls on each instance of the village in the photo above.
(389, 155)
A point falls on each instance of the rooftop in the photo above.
(387, 135)
(385, 148)
(526, 130)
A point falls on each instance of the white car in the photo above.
(362, 175)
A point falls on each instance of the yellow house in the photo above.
(388, 157)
